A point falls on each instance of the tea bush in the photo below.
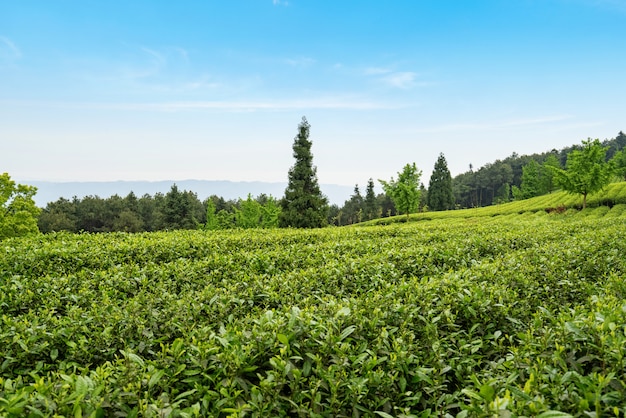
(510, 315)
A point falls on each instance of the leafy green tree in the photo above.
(370, 204)
(18, 212)
(89, 211)
(440, 195)
(547, 174)
(586, 170)
(225, 219)
(127, 221)
(405, 191)
(503, 194)
(58, 216)
(270, 213)
(148, 209)
(249, 214)
(619, 161)
(211, 216)
(303, 205)
(531, 182)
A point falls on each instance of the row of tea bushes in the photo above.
(512, 315)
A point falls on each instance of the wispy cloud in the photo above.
(8, 50)
(300, 62)
(156, 57)
(401, 80)
(376, 71)
(280, 2)
(142, 68)
(397, 79)
(276, 105)
(337, 103)
(497, 124)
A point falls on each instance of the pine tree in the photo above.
(370, 209)
(353, 208)
(440, 196)
(303, 205)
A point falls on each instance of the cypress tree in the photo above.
(440, 196)
(303, 205)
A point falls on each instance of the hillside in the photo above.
(611, 200)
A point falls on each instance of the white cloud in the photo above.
(280, 2)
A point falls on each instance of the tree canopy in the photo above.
(586, 170)
(405, 191)
(18, 212)
(303, 205)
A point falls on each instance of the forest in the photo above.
(513, 178)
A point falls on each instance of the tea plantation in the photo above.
(511, 315)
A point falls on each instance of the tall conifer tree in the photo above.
(440, 196)
(371, 203)
(303, 205)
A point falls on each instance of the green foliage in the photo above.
(253, 214)
(352, 211)
(531, 182)
(325, 322)
(557, 204)
(371, 209)
(181, 210)
(440, 196)
(211, 217)
(18, 213)
(249, 215)
(303, 205)
(405, 191)
(619, 162)
(547, 174)
(586, 171)
(270, 213)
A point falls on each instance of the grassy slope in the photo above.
(614, 196)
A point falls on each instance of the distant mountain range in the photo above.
(48, 191)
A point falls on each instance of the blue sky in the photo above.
(164, 90)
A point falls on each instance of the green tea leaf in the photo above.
(346, 332)
(554, 414)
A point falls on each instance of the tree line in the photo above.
(177, 209)
(581, 169)
(502, 180)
